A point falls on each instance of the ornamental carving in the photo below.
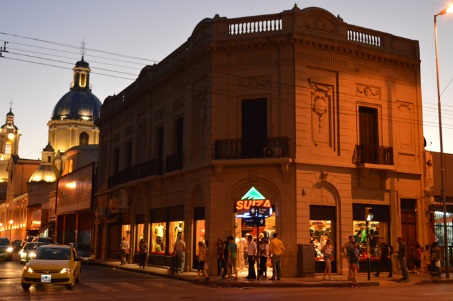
(254, 83)
(368, 91)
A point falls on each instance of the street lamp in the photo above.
(11, 222)
(368, 218)
(442, 163)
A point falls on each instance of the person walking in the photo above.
(124, 247)
(220, 252)
(264, 254)
(180, 252)
(143, 248)
(202, 250)
(436, 258)
(385, 259)
(251, 251)
(232, 256)
(327, 252)
(354, 257)
(276, 249)
(402, 258)
(347, 246)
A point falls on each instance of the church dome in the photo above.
(45, 173)
(79, 103)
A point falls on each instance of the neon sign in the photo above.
(251, 201)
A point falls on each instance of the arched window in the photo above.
(83, 139)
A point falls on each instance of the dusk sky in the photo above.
(44, 39)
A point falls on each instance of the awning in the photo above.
(440, 208)
(46, 227)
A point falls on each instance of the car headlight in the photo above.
(65, 270)
(9, 250)
(22, 253)
(28, 269)
(32, 254)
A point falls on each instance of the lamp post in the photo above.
(11, 222)
(368, 218)
(442, 163)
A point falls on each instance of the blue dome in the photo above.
(77, 104)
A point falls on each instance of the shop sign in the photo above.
(253, 203)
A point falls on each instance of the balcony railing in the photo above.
(373, 154)
(149, 168)
(174, 162)
(233, 149)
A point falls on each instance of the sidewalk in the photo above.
(337, 280)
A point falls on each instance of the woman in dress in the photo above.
(202, 250)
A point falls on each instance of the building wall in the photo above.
(313, 72)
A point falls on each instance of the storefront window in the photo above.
(139, 235)
(176, 227)
(199, 233)
(126, 232)
(320, 231)
(439, 227)
(158, 238)
(375, 230)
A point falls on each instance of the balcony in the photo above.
(274, 147)
(373, 154)
(149, 168)
(174, 162)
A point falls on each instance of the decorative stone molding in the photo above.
(218, 171)
(284, 167)
(368, 91)
(254, 83)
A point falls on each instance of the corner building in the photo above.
(321, 118)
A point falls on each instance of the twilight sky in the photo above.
(44, 39)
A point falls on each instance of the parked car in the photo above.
(29, 251)
(6, 250)
(53, 264)
(84, 251)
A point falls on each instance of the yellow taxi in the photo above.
(52, 264)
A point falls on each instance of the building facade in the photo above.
(309, 120)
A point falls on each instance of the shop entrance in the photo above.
(322, 227)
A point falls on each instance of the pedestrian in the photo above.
(124, 247)
(251, 251)
(276, 249)
(354, 255)
(264, 254)
(418, 252)
(402, 258)
(436, 257)
(202, 250)
(220, 252)
(143, 247)
(327, 252)
(347, 246)
(232, 257)
(180, 252)
(386, 257)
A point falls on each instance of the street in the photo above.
(103, 283)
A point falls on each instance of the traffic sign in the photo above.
(255, 222)
(260, 211)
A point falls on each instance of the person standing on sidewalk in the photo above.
(347, 246)
(436, 258)
(232, 257)
(264, 254)
(124, 247)
(202, 250)
(143, 247)
(327, 252)
(180, 252)
(386, 258)
(354, 257)
(251, 251)
(276, 249)
(402, 256)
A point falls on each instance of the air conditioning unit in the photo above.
(272, 152)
